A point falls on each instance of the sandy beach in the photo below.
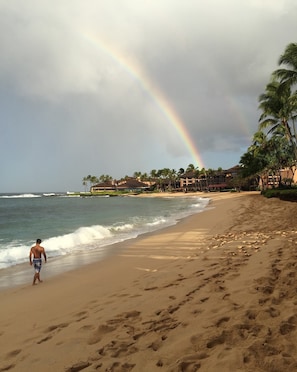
(216, 292)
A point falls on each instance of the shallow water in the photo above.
(78, 229)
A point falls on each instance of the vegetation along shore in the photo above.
(268, 163)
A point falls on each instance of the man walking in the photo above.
(35, 255)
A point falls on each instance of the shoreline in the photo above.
(21, 274)
(214, 292)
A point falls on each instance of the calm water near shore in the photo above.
(82, 226)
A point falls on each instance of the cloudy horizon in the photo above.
(113, 87)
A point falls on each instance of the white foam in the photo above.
(73, 241)
(21, 196)
(94, 237)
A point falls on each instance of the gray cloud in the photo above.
(81, 84)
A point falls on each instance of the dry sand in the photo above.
(216, 292)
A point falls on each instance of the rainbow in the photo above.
(134, 70)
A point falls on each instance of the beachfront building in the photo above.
(209, 180)
(285, 177)
(189, 182)
(194, 180)
(103, 186)
(127, 185)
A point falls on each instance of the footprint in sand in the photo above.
(52, 328)
(191, 362)
(189, 366)
(44, 339)
(155, 345)
(118, 367)
(13, 353)
(58, 327)
(87, 327)
(222, 320)
(100, 331)
(7, 368)
(251, 314)
(81, 316)
(78, 367)
(116, 349)
(217, 340)
(288, 325)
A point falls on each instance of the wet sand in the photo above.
(216, 292)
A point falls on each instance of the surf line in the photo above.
(134, 70)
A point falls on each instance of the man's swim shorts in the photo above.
(37, 262)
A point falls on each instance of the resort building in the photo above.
(209, 181)
(286, 177)
(129, 184)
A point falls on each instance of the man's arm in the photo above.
(30, 256)
(44, 255)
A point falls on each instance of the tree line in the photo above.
(154, 175)
(274, 145)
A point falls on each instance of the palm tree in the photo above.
(181, 171)
(288, 75)
(267, 155)
(259, 142)
(165, 176)
(279, 109)
(137, 174)
(288, 78)
(144, 177)
(105, 178)
(85, 183)
(172, 178)
(94, 180)
(190, 168)
(254, 162)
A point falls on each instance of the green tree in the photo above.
(87, 180)
(105, 178)
(85, 183)
(94, 180)
(190, 168)
(278, 112)
(181, 171)
(254, 162)
(144, 177)
(288, 75)
(137, 175)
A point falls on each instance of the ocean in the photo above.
(78, 226)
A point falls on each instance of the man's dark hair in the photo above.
(38, 241)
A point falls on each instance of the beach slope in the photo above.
(216, 292)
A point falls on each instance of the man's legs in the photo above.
(37, 266)
(36, 277)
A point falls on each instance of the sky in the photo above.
(113, 87)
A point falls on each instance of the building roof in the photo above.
(132, 184)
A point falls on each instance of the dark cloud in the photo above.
(84, 85)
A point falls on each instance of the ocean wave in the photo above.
(63, 238)
(201, 203)
(13, 254)
(83, 239)
(21, 196)
(77, 240)
(157, 222)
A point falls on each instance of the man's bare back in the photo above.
(37, 251)
(35, 255)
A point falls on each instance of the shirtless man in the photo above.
(36, 252)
